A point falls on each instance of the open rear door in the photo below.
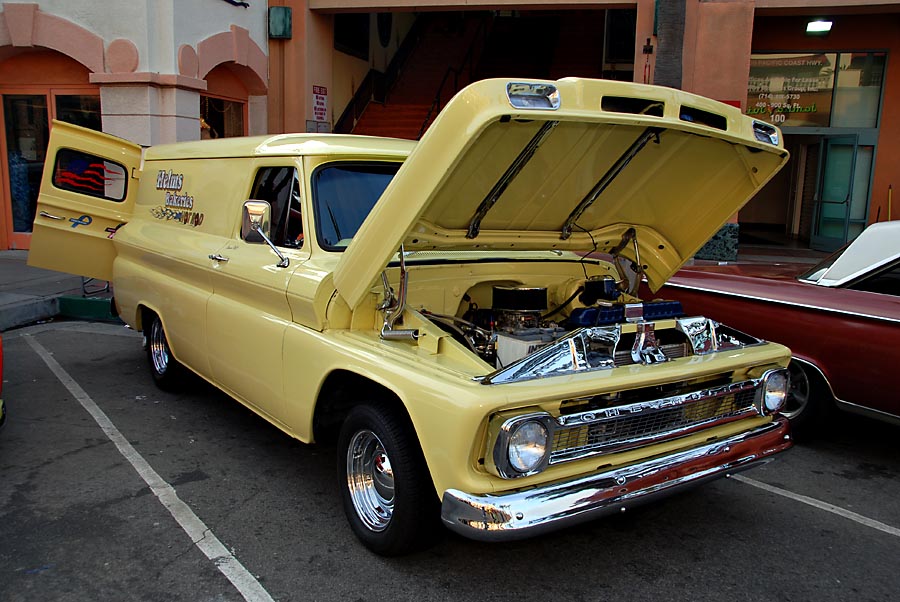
(87, 193)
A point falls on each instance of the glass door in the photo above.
(26, 116)
(27, 128)
(834, 192)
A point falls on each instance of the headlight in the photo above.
(528, 446)
(772, 392)
(523, 445)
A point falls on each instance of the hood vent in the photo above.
(634, 106)
(702, 117)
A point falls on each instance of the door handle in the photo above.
(217, 257)
(50, 216)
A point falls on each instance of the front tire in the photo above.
(385, 486)
(808, 402)
(167, 372)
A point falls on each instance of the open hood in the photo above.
(570, 165)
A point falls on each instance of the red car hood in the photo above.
(712, 272)
(778, 283)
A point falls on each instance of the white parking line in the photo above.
(858, 518)
(200, 534)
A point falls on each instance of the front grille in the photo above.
(628, 426)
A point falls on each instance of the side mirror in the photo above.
(256, 227)
(256, 223)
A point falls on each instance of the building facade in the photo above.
(159, 71)
(151, 71)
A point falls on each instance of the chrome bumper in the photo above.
(503, 517)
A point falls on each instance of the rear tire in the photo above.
(386, 489)
(167, 372)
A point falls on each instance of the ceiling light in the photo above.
(818, 27)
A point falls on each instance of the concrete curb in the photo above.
(30, 310)
(27, 311)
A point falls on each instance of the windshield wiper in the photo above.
(337, 229)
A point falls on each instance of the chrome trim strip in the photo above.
(780, 302)
(548, 507)
(867, 412)
(602, 415)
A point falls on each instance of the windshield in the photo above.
(343, 195)
(816, 273)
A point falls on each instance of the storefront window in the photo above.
(858, 91)
(79, 109)
(221, 118)
(791, 89)
(816, 89)
(27, 124)
(27, 131)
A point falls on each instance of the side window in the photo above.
(886, 282)
(280, 186)
(80, 172)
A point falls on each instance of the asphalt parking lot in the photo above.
(111, 489)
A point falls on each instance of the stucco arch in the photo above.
(25, 26)
(234, 46)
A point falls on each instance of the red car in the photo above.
(841, 320)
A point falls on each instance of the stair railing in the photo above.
(376, 85)
(469, 61)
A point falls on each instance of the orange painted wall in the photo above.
(717, 38)
(43, 68)
(296, 65)
(853, 33)
(221, 81)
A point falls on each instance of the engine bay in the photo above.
(519, 320)
(533, 316)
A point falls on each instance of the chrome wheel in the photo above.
(166, 371)
(158, 347)
(798, 397)
(370, 480)
(386, 489)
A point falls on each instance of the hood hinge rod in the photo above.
(511, 172)
(392, 306)
(608, 177)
